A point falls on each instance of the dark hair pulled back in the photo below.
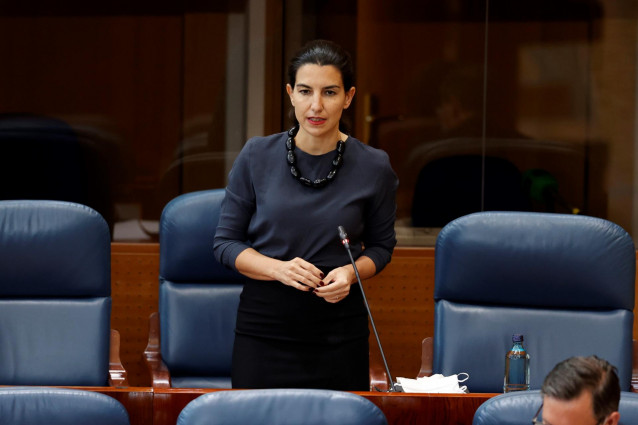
(322, 53)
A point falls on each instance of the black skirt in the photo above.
(286, 338)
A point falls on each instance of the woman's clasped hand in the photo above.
(304, 276)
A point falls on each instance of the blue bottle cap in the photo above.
(517, 338)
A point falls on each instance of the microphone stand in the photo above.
(346, 243)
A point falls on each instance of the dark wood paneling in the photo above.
(134, 282)
(400, 299)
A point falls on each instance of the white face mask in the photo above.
(435, 384)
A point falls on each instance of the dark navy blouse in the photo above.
(267, 209)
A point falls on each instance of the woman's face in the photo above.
(319, 99)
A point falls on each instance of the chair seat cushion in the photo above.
(197, 325)
(54, 342)
(550, 337)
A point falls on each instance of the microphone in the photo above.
(346, 243)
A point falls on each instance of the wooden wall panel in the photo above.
(134, 282)
(400, 299)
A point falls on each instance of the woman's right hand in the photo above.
(299, 274)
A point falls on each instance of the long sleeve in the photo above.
(379, 237)
(237, 209)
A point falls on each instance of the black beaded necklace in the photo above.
(294, 170)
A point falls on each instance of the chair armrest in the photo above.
(379, 380)
(117, 373)
(427, 354)
(160, 375)
(378, 377)
(634, 367)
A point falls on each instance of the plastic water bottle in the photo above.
(516, 367)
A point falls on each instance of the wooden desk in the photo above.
(428, 409)
(399, 408)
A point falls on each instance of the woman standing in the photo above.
(301, 322)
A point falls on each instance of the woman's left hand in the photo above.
(337, 284)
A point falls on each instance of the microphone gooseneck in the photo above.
(346, 243)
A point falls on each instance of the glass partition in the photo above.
(481, 105)
(121, 107)
(499, 105)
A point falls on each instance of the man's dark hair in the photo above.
(571, 377)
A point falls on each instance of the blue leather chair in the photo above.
(281, 407)
(566, 282)
(519, 408)
(55, 296)
(190, 343)
(58, 406)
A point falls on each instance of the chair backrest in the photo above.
(566, 162)
(46, 158)
(509, 409)
(520, 407)
(55, 294)
(281, 407)
(628, 408)
(198, 297)
(450, 187)
(59, 406)
(566, 282)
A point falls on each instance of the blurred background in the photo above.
(482, 105)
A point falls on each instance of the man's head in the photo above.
(583, 391)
